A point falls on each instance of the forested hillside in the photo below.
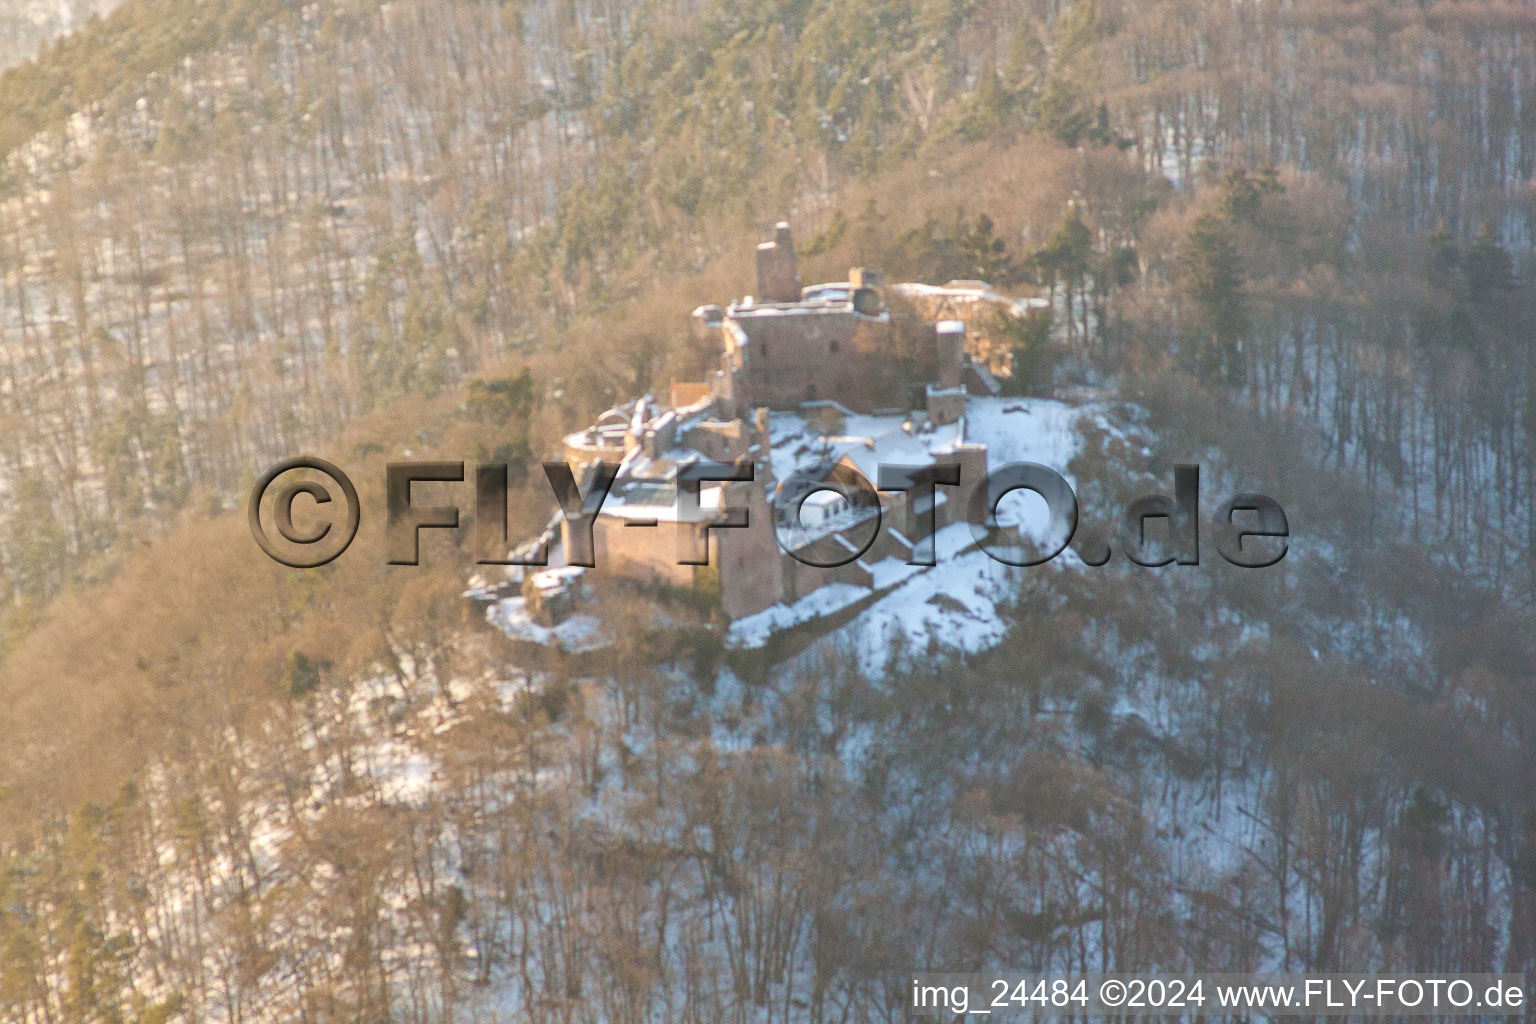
(241, 225)
(1291, 242)
(28, 25)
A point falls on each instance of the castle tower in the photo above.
(950, 335)
(778, 275)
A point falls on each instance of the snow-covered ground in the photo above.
(954, 605)
(754, 630)
(1039, 430)
(576, 634)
